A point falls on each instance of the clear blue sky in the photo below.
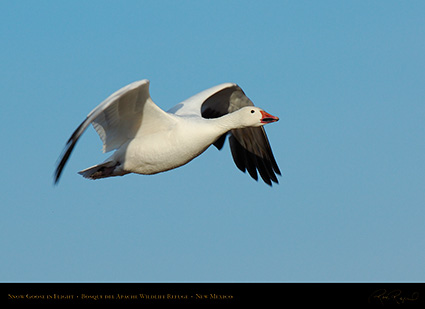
(346, 79)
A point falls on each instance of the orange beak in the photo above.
(267, 118)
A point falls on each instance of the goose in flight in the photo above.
(149, 140)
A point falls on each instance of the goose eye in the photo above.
(252, 111)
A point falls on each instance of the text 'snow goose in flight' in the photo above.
(149, 140)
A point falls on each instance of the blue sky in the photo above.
(346, 78)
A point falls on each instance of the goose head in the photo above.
(251, 116)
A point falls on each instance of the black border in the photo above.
(276, 294)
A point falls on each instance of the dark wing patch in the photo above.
(250, 147)
(211, 113)
(251, 151)
(219, 143)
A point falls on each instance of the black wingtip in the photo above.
(70, 144)
(248, 161)
(63, 159)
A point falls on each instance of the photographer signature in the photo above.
(394, 296)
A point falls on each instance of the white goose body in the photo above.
(168, 149)
(149, 140)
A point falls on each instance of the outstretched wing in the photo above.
(117, 119)
(250, 147)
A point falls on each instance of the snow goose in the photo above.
(149, 140)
